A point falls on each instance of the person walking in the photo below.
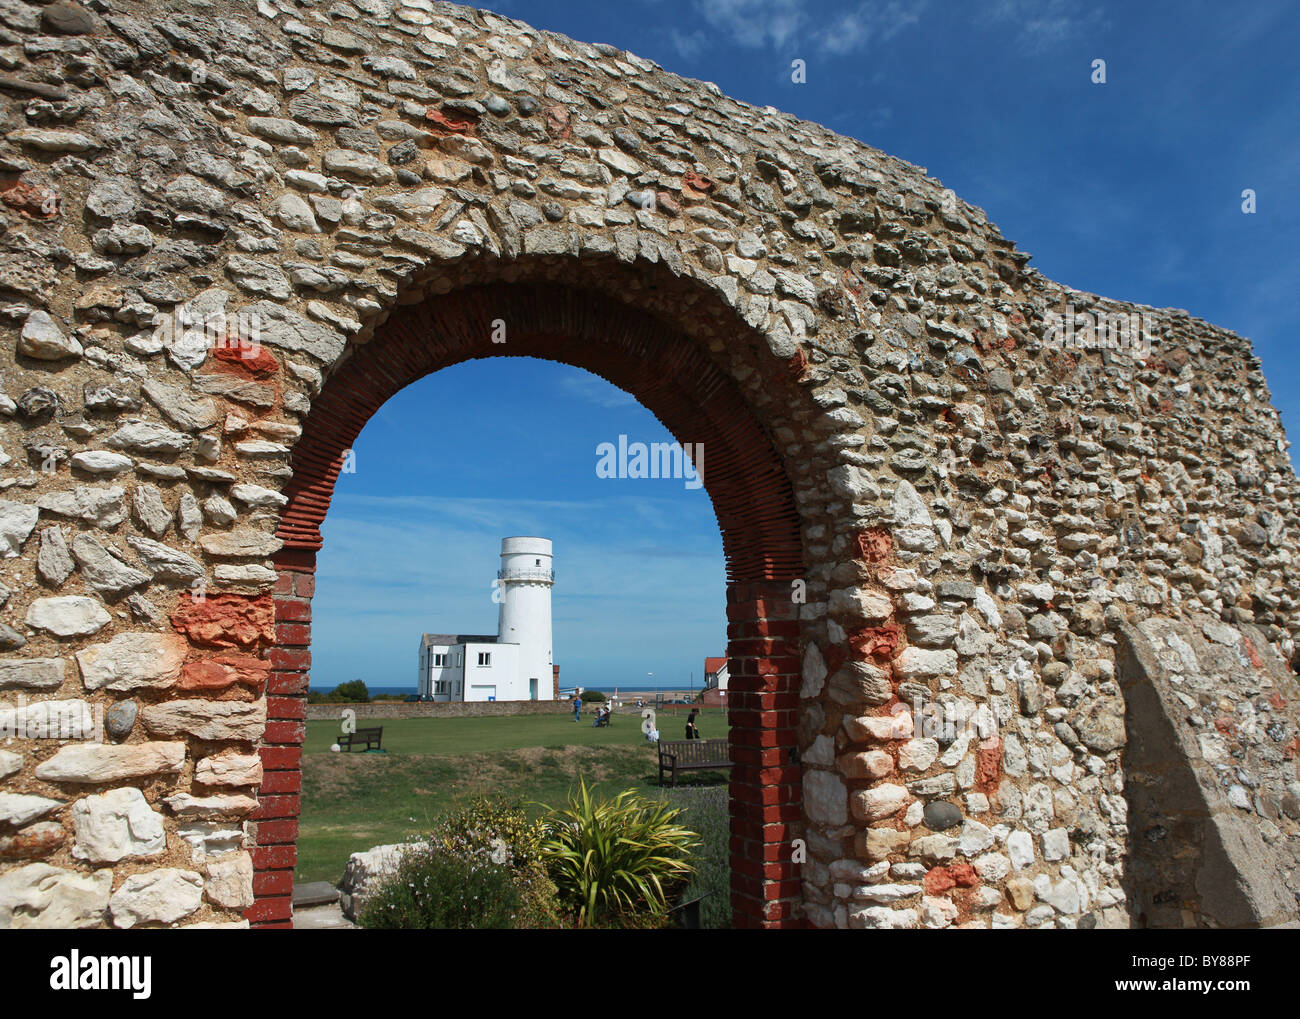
(692, 731)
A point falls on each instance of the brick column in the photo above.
(766, 786)
(279, 798)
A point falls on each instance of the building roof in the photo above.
(446, 639)
(712, 665)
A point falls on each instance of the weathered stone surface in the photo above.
(98, 763)
(17, 521)
(119, 719)
(133, 660)
(41, 896)
(224, 671)
(924, 663)
(104, 572)
(230, 769)
(34, 842)
(53, 560)
(17, 809)
(167, 564)
(32, 673)
(181, 408)
(227, 621)
(879, 801)
(217, 805)
(116, 825)
(68, 616)
(42, 339)
(211, 720)
(229, 881)
(825, 798)
(101, 506)
(66, 719)
(365, 870)
(160, 896)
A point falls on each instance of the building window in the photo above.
(439, 661)
(485, 658)
(440, 686)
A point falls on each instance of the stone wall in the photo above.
(436, 709)
(231, 231)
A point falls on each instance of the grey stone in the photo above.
(101, 570)
(159, 896)
(119, 719)
(40, 896)
(133, 660)
(32, 673)
(42, 339)
(17, 521)
(115, 826)
(68, 616)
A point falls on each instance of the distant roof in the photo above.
(431, 639)
(712, 665)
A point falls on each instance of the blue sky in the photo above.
(1130, 189)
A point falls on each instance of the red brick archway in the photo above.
(752, 496)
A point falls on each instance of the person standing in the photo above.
(692, 731)
(577, 707)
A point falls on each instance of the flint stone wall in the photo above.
(210, 209)
(438, 709)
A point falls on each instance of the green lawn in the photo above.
(353, 801)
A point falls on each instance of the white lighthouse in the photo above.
(516, 663)
(525, 580)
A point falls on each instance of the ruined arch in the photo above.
(753, 499)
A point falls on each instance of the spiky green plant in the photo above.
(618, 861)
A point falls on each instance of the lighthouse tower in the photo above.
(526, 579)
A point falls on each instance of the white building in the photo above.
(513, 665)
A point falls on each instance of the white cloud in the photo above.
(794, 26)
(593, 389)
(1042, 23)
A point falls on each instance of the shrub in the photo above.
(498, 830)
(353, 692)
(620, 861)
(707, 811)
(591, 695)
(432, 890)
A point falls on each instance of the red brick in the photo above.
(285, 732)
(273, 882)
(283, 708)
(289, 683)
(292, 610)
(274, 857)
(281, 758)
(274, 808)
(290, 659)
(280, 782)
(270, 909)
(293, 634)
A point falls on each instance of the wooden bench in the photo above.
(693, 755)
(370, 737)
